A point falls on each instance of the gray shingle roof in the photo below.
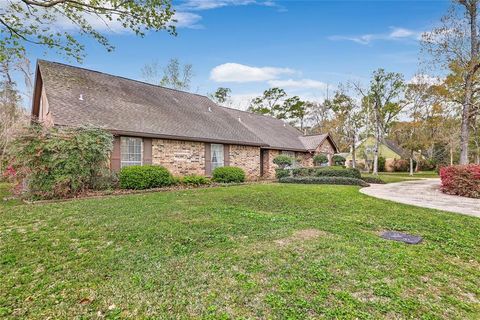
(312, 142)
(79, 97)
(273, 132)
(396, 148)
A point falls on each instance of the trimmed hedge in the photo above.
(281, 173)
(283, 161)
(461, 180)
(320, 159)
(327, 172)
(195, 180)
(338, 160)
(381, 164)
(325, 180)
(145, 177)
(373, 180)
(228, 175)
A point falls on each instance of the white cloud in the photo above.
(394, 34)
(300, 84)
(422, 78)
(235, 72)
(402, 33)
(214, 4)
(363, 39)
(187, 20)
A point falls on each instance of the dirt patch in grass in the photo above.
(301, 235)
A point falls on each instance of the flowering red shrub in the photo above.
(461, 180)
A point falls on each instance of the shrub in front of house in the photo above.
(145, 177)
(52, 163)
(283, 161)
(325, 180)
(195, 180)
(228, 175)
(338, 160)
(461, 180)
(373, 180)
(282, 173)
(320, 159)
(333, 171)
(381, 164)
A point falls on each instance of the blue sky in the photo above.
(249, 45)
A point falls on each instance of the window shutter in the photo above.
(115, 156)
(147, 151)
(226, 155)
(208, 159)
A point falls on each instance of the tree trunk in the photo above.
(375, 153)
(354, 150)
(451, 155)
(464, 130)
(411, 165)
(471, 7)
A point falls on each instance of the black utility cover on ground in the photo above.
(402, 237)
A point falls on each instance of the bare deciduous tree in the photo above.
(383, 100)
(12, 116)
(172, 76)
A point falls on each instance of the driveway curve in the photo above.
(424, 193)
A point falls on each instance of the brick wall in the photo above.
(305, 159)
(268, 165)
(179, 157)
(325, 147)
(247, 158)
(186, 157)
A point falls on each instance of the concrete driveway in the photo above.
(424, 193)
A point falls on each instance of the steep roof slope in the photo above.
(274, 132)
(396, 148)
(79, 97)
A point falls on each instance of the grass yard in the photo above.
(253, 251)
(390, 177)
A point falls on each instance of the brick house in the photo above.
(184, 132)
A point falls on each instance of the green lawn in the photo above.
(253, 251)
(390, 177)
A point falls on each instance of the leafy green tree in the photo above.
(222, 95)
(38, 22)
(274, 102)
(348, 117)
(270, 102)
(295, 109)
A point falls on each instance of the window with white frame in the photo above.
(217, 155)
(131, 151)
